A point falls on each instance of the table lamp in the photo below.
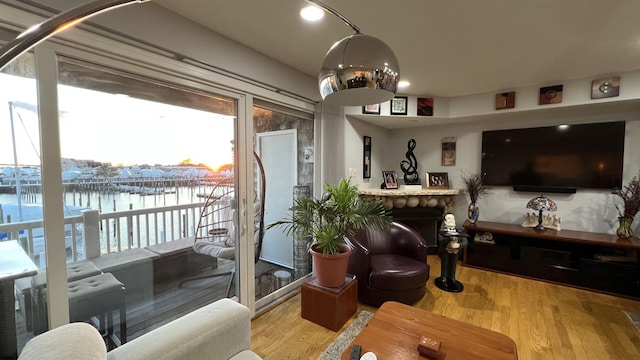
(540, 204)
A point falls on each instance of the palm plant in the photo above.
(339, 212)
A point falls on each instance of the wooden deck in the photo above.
(172, 301)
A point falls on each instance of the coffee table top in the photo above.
(395, 330)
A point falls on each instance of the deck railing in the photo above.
(93, 234)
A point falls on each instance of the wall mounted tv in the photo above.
(555, 158)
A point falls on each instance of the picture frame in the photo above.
(506, 100)
(604, 88)
(449, 151)
(437, 180)
(371, 109)
(366, 157)
(390, 179)
(424, 107)
(399, 105)
(550, 95)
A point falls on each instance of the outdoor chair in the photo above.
(216, 232)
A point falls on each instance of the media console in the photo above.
(600, 262)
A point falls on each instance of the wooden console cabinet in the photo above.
(594, 261)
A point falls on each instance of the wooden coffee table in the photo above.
(395, 329)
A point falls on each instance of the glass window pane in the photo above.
(284, 143)
(21, 236)
(140, 158)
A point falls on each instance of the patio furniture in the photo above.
(390, 264)
(33, 296)
(134, 268)
(216, 236)
(95, 296)
(220, 330)
(14, 264)
(177, 259)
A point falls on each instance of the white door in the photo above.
(278, 151)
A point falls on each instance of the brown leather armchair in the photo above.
(389, 264)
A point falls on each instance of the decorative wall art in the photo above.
(399, 105)
(425, 107)
(410, 166)
(550, 95)
(449, 151)
(371, 109)
(604, 88)
(308, 154)
(506, 100)
(390, 179)
(437, 180)
(366, 157)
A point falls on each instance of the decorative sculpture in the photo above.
(410, 168)
(530, 220)
(450, 241)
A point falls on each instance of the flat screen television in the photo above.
(555, 158)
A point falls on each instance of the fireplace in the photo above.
(421, 210)
(426, 221)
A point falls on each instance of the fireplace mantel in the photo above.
(440, 198)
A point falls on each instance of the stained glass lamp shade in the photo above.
(540, 204)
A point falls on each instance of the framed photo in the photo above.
(399, 105)
(425, 107)
(604, 88)
(371, 109)
(506, 100)
(390, 179)
(366, 157)
(437, 180)
(550, 95)
(449, 151)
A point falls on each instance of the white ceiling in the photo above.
(445, 48)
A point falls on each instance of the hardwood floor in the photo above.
(546, 321)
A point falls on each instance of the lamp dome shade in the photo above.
(542, 203)
(359, 70)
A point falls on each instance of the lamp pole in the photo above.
(53, 25)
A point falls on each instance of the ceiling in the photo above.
(445, 48)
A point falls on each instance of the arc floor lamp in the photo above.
(357, 70)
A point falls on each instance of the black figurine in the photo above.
(450, 242)
(410, 168)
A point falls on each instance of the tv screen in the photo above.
(564, 156)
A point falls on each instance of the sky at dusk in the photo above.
(112, 128)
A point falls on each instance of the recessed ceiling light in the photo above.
(311, 13)
(403, 84)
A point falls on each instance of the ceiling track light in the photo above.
(357, 70)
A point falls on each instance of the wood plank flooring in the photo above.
(546, 321)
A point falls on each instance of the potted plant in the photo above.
(630, 195)
(475, 188)
(325, 223)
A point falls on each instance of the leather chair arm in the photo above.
(359, 261)
(406, 241)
